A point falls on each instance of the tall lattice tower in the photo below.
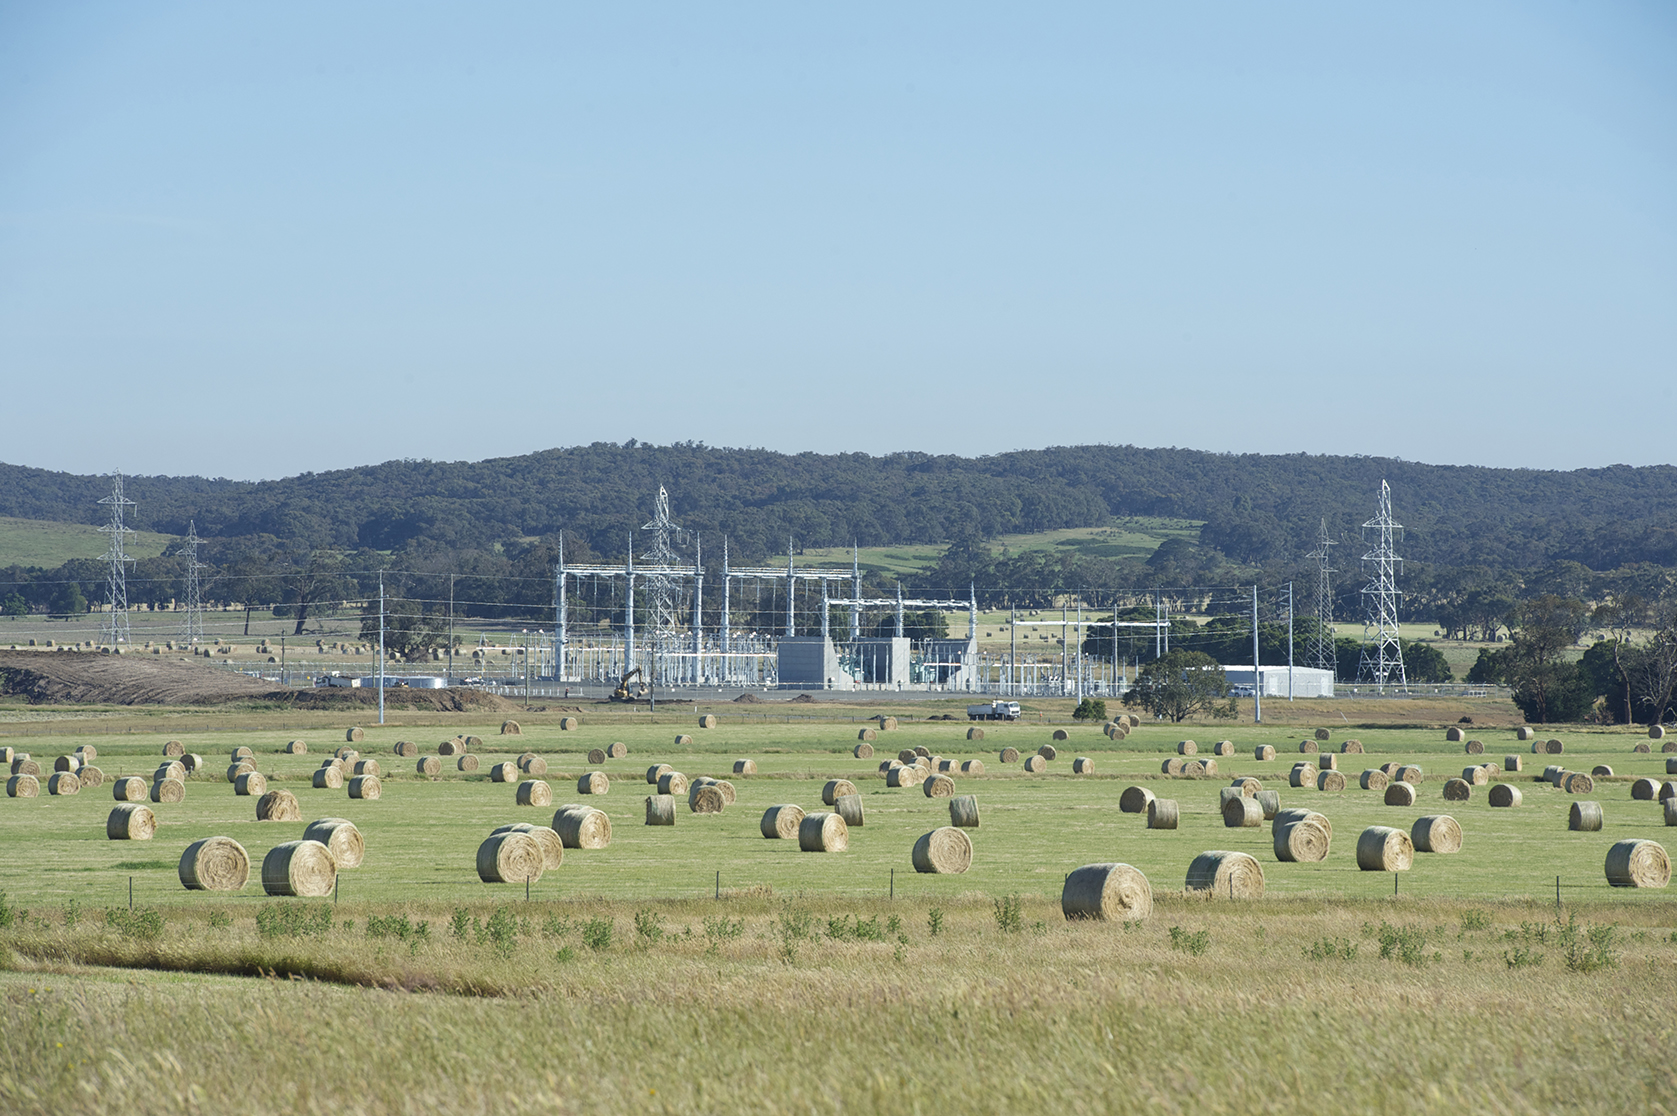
(1382, 660)
(1321, 654)
(662, 589)
(192, 627)
(115, 629)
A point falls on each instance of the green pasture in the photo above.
(422, 835)
(47, 544)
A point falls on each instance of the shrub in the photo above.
(1009, 916)
(398, 927)
(649, 926)
(1089, 709)
(596, 934)
(719, 929)
(1521, 958)
(1331, 949)
(1585, 948)
(1475, 920)
(1194, 943)
(1406, 944)
(280, 920)
(142, 924)
(934, 921)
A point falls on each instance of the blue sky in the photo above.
(251, 240)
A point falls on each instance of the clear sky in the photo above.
(249, 240)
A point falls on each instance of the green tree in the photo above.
(15, 605)
(1180, 685)
(1547, 687)
(1089, 709)
(1422, 662)
(408, 629)
(68, 601)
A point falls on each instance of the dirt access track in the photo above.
(92, 678)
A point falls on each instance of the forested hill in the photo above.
(1257, 509)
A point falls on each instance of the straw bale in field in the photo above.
(87, 752)
(1525, 732)
(1223, 748)
(1226, 875)
(1351, 748)
(1576, 782)
(341, 836)
(903, 777)
(708, 721)
(1270, 801)
(594, 782)
(975, 734)
(1410, 773)
(963, 811)
(1400, 794)
(866, 736)
(886, 724)
(566, 724)
(1009, 755)
(1585, 817)
(1391, 769)
(1373, 779)
(617, 750)
(302, 868)
(173, 748)
(1454, 735)
(1322, 734)
(451, 747)
(1457, 790)
(366, 787)
(1263, 752)
(1330, 781)
(781, 822)
(660, 809)
(1642, 749)
(168, 790)
(1248, 786)
(1513, 763)
(214, 864)
(91, 777)
(706, 799)
(1083, 765)
(682, 740)
(1476, 775)
(1670, 807)
(467, 762)
(511, 728)
(823, 832)
(1106, 893)
(1656, 732)
(1171, 766)
(1638, 863)
(553, 849)
(745, 767)
(944, 851)
(23, 786)
(1306, 841)
(1303, 776)
(1668, 789)
(354, 735)
(1162, 813)
(1187, 748)
(534, 792)
(972, 767)
(131, 821)
(407, 749)
(1381, 848)
(1504, 795)
(1283, 818)
(72, 764)
(1671, 767)
(1644, 790)
(938, 786)
(174, 769)
(1308, 746)
(1134, 800)
(672, 782)
(251, 783)
(1437, 833)
(908, 755)
(836, 787)
(368, 767)
(1036, 765)
(583, 827)
(278, 806)
(347, 755)
(1048, 752)
(23, 765)
(1060, 735)
(1241, 812)
(64, 782)
(510, 857)
(128, 788)
(1327, 761)
(657, 771)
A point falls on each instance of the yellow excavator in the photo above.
(626, 693)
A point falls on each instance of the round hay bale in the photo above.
(1200, 767)
(1223, 748)
(706, 799)
(332, 778)
(1669, 746)
(504, 772)
(903, 777)
(1009, 755)
(1060, 735)
(1475, 748)
(1381, 848)
(823, 832)
(834, 788)
(1162, 813)
(553, 849)
(862, 751)
(1671, 767)
(745, 767)
(657, 771)
(781, 822)
(1048, 752)
(948, 766)
(1585, 817)
(214, 864)
(1400, 794)
(1553, 774)
(1410, 773)
(1668, 789)
(1457, 790)
(1638, 863)
(23, 765)
(510, 728)
(1171, 766)
(972, 767)
(566, 724)
(1226, 875)
(1504, 795)
(1351, 748)
(1513, 763)
(727, 789)
(467, 762)
(174, 748)
(64, 782)
(510, 857)
(886, 724)
(1305, 841)
(430, 767)
(168, 790)
(534, 792)
(72, 764)
(1391, 769)
(91, 777)
(908, 755)
(1106, 893)
(1641, 749)
(407, 749)
(1134, 800)
(1187, 748)
(1308, 746)
(945, 851)
(660, 809)
(1373, 779)
(532, 764)
(1322, 734)
(1553, 747)
(340, 836)
(938, 786)
(1327, 761)
(346, 755)
(354, 735)
(1082, 765)
(296, 748)
(1656, 732)
(87, 753)
(366, 787)
(251, 783)
(963, 811)
(1302, 776)
(1248, 786)
(132, 788)
(708, 721)
(451, 747)
(594, 782)
(849, 807)
(1263, 752)
(1241, 812)
(1576, 782)
(278, 806)
(175, 771)
(672, 782)
(302, 868)
(23, 786)
(1269, 801)
(584, 827)
(1644, 790)
(131, 821)
(683, 741)
(1437, 833)
(1036, 765)
(865, 736)
(975, 734)
(1525, 732)
(1330, 781)
(1288, 817)
(1476, 776)
(1670, 807)
(1454, 735)
(7, 755)
(367, 767)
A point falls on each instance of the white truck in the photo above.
(994, 711)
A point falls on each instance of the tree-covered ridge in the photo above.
(1257, 509)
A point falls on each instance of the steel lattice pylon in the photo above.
(662, 591)
(1321, 654)
(116, 587)
(192, 627)
(1382, 659)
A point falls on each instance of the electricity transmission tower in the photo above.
(1321, 654)
(1382, 658)
(115, 629)
(661, 587)
(192, 628)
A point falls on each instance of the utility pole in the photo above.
(1289, 641)
(381, 647)
(1257, 675)
(451, 629)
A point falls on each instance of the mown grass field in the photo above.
(45, 543)
(625, 984)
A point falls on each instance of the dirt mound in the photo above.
(91, 678)
(748, 699)
(344, 697)
(803, 699)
